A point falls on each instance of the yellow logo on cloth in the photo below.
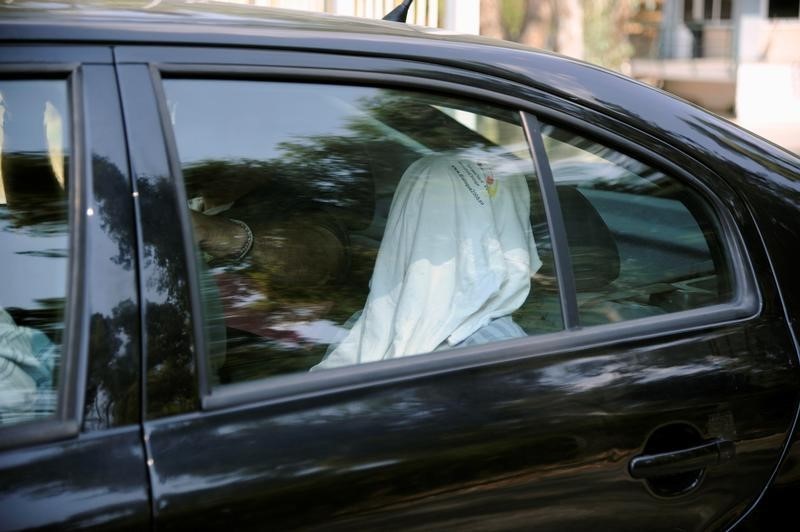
(491, 186)
(490, 182)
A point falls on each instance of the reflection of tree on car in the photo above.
(263, 259)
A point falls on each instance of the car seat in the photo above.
(596, 269)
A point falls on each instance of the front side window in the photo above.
(339, 225)
(642, 243)
(34, 161)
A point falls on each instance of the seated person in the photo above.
(27, 362)
(306, 249)
(456, 259)
(299, 245)
(263, 256)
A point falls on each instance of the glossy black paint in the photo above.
(113, 396)
(93, 481)
(95, 478)
(167, 336)
(536, 433)
(541, 442)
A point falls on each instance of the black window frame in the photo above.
(67, 419)
(744, 304)
(771, 15)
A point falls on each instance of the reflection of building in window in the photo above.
(54, 135)
(2, 121)
(54, 131)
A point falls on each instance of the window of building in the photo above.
(642, 243)
(707, 10)
(783, 9)
(339, 225)
(34, 161)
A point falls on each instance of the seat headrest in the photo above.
(594, 253)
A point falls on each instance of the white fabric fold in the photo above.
(27, 362)
(457, 253)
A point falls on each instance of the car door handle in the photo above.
(669, 463)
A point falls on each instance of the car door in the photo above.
(71, 453)
(653, 386)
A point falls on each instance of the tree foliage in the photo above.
(585, 29)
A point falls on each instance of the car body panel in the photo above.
(94, 481)
(545, 441)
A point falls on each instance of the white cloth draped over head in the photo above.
(457, 253)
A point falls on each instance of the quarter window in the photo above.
(642, 243)
(338, 225)
(34, 161)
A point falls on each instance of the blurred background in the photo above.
(737, 58)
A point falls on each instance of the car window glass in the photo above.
(34, 154)
(641, 242)
(339, 225)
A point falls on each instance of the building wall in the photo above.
(768, 79)
(765, 40)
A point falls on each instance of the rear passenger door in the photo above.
(638, 379)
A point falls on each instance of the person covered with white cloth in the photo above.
(456, 260)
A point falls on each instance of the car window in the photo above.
(641, 242)
(338, 225)
(34, 162)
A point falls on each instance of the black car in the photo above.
(225, 231)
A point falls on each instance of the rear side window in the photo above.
(641, 243)
(35, 152)
(339, 225)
